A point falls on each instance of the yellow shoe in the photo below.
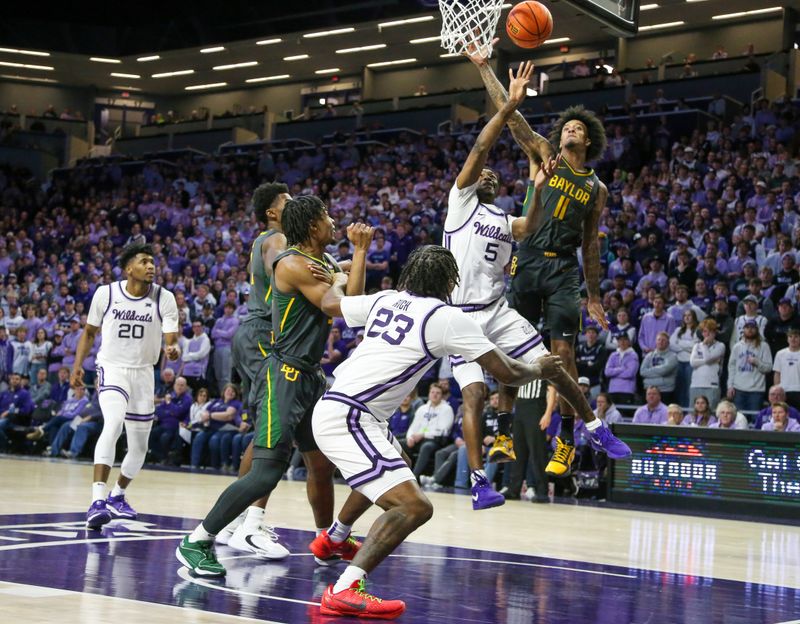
(560, 465)
(502, 450)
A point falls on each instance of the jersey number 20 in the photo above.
(131, 330)
(384, 316)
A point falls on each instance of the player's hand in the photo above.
(546, 171)
(597, 312)
(320, 273)
(544, 421)
(519, 83)
(549, 366)
(173, 352)
(76, 378)
(474, 54)
(360, 234)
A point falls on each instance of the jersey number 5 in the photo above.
(491, 251)
(384, 316)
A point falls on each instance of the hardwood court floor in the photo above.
(518, 563)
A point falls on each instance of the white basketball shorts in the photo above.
(137, 385)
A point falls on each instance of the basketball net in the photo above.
(469, 25)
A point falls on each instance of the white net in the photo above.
(469, 25)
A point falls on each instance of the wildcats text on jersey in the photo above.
(570, 189)
(492, 231)
(130, 315)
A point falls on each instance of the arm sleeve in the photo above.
(416, 423)
(460, 203)
(99, 305)
(355, 310)
(451, 332)
(765, 359)
(169, 312)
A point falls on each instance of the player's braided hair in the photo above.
(430, 271)
(594, 128)
(133, 250)
(298, 215)
(265, 194)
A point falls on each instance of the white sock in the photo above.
(594, 425)
(350, 575)
(319, 531)
(98, 491)
(475, 475)
(253, 518)
(200, 534)
(339, 532)
(117, 490)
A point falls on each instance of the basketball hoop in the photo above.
(469, 25)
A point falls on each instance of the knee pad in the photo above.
(138, 437)
(113, 405)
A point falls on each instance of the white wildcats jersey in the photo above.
(479, 236)
(132, 328)
(404, 336)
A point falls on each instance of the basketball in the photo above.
(529, 24)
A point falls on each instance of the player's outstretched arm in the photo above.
(331, 300)
(360, 235)
(536, 146)
(85, 343)
(526, 225)
(516, 373)
(591, 258)
(491, 131)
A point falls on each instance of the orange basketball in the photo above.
(529, 24)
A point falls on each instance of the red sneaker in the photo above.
(356, 602)
(326, 550)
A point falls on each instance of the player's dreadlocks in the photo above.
(594, 129)
(264, 195)
(133, 250)
(430, 271)
(298, 215)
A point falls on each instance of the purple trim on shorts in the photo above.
(100, 375)
(110, 296)
(158, 304)
(475, 307)
(343, 398)
(375, 391)
(463, 225)
(380, 464)
(122, 290)
(422, 331)
(116, 389)
(523, 349)
(139, 417)
(457, 360)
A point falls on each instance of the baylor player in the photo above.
(289, 381)
(565, 199)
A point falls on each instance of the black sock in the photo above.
(567, 427)
(504, 423)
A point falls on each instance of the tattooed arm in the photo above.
(591, 257)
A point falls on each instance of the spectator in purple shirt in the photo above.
(222, 335)
(654, 322)
(169, 414)
(16, 408)
(87, 423)
(335, 352)
(222, 415)
(70, 343)
(780, 420)
(6, 357)
(400, 421)
(621, 369)
(653, 412)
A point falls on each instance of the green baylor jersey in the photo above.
(567, 200)
(300, 329)
(260, 302)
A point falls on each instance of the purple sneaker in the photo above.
(120, 508)
(484, 496)
(98, 515)
(603, 441)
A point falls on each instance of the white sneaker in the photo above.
(224, 536)
(426, 480)
(262, 542)
(530, 494)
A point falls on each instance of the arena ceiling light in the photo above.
(145, 59)
(210, 85)
(181, 72)
(397, 62)
(123, 88)
(556, 40)
(746, 13)
(212, 49)
(327, 33)
(425, 39)
(375, 46)
(269, 41)
(449, 55)
(103, 59)
(664, 25)
(267, 78)
(296, 57)
(403, 22)
(26, 52)
(506, 5)
(235, 65)
(118, 75)
(331, 70)
(26, 66)
(648, 7)
(27, 78)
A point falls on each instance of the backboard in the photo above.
(620, 15)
